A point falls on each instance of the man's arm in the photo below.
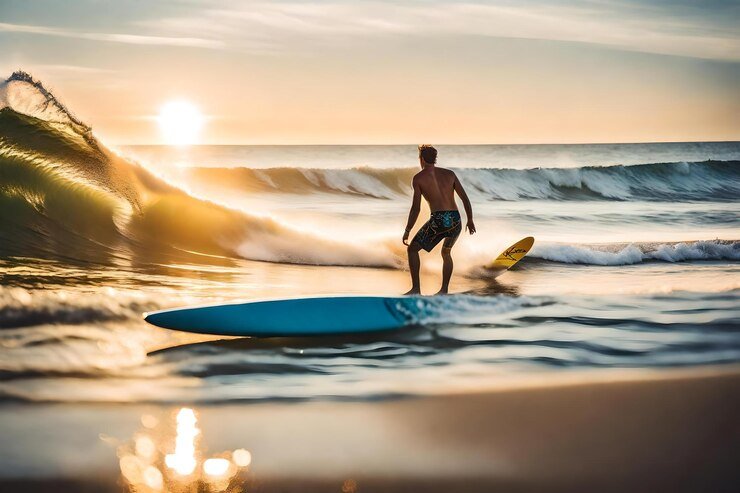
(414, 212)
(470, 226)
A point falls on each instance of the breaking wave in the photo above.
(715, 181)
(620, 254)
(64, 194)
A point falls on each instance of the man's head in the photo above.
(427, 155)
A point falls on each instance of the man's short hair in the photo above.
(428, 153)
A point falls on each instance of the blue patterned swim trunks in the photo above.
(442, 225)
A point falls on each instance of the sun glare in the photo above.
(180, 123)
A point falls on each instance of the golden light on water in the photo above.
(158, 460)
(216, 467)
(183, 460)
(145, 446)
(180, 123)
(153, 478)
(149, 421)
(241, 457)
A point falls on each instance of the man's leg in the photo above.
(414, 264)
(447, 267)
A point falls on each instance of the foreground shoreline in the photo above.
(668, 430)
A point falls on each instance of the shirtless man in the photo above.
(438, 187)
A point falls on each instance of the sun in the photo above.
(180, 123)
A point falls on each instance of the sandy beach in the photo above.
(673, 430)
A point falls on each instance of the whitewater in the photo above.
(635, 264)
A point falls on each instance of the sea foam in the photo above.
(619, 254)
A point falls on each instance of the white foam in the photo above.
(355, 180)
(658, 181)
(636, 253)
(23, 94)
(280, 244)
(462, 309)
(699, 250)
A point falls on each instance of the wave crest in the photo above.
(64, 194)
(21, 308)
(638, 252)
(716, 181)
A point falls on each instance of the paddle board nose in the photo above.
(160, 319)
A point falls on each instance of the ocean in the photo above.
(635, 266)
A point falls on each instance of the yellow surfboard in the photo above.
(511, 255)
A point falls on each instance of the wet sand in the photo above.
(671, 430)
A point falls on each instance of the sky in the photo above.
(359, 72)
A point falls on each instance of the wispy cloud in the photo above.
(635, 26)
(137, 39)
(673, 27)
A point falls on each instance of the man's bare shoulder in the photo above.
(448, 173)
(418, 176)
(444, 171)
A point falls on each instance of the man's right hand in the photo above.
(470, 226)
(406, 237)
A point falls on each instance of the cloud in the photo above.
(687, 28)
(112, 37)
(656, 27)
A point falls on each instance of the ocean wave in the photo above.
(64, 194)
(376, 183)
(635, 253)
(28, 96)
(20, 307)
(715, 181)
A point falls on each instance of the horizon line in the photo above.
(436, 144)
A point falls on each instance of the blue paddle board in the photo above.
(291, 317)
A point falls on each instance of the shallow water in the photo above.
(635, 264)
(78, 336)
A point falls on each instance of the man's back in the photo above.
(437, 187)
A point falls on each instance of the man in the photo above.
(438, 187)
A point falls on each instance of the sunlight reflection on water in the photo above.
(160, 459)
